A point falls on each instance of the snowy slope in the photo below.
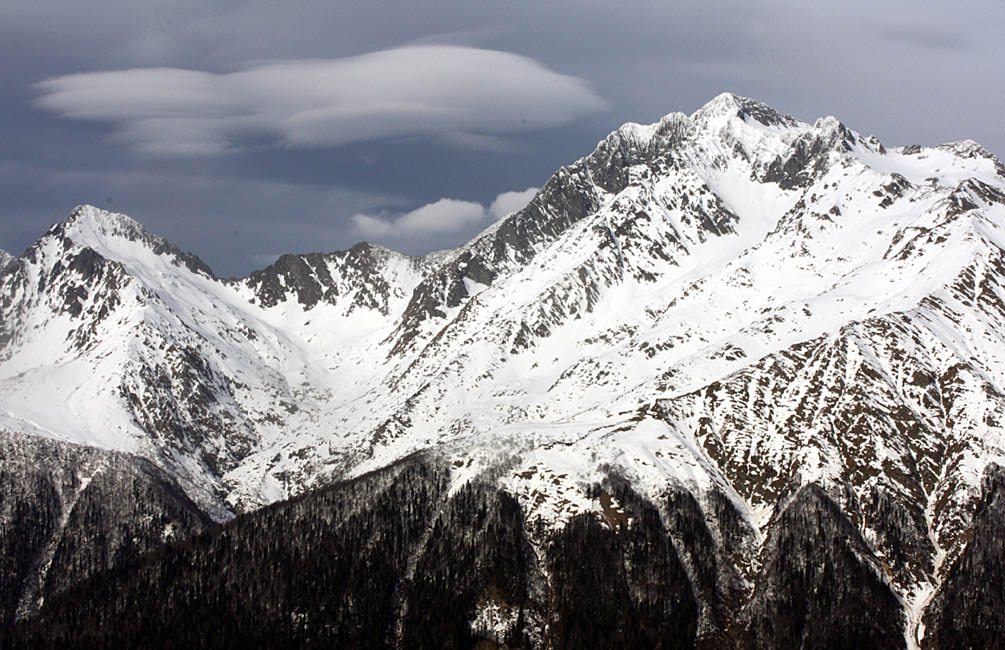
(732, 302)
(147, 352)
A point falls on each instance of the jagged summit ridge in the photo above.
(373, 275)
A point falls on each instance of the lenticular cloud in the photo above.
(446, 91)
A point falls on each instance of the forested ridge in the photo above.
(396, 558)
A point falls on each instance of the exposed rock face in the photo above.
(776, 344)
(364, 274)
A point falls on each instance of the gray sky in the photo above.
(241, 130)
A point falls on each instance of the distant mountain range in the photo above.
(730, 380)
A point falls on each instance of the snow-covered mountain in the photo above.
(732, 304)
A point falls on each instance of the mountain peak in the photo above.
(723, 102)
(5, 259)
(376, 251)
(674, 125)
(644, 136)
(105, 231)
(968, 149)
(89, 217)
(729, 105)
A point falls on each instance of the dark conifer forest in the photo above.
(393, 559)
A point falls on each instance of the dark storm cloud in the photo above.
(907, 72)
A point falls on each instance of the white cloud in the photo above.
(372, 227)
(441, 217)
(509, 202)
(445, 215)
(454, 92)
